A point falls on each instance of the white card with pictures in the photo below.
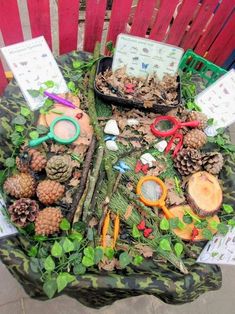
(6, 228)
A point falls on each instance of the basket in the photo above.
(192, 62)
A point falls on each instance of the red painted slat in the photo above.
(10, 24)
(68, 25)
(224, 43)
(3, 81)
(95, 12)
(215, 26)
(195, 31)
(181, 21)
(164, 16)
(119, 16)
(39, 15)
(142, 17)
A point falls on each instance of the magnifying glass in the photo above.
(64, 130)
(165, 126)
(152, 192)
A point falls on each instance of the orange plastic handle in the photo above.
(167, 213)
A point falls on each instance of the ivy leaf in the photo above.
(34, 264)
(222, 228)
(19, 128)
(63, 280)
(90, 234)
(231, 222)
(68, 245)
(165, 245)
(56, 250)
(89, 251)
(164, 224)
(71, 86)
(227, 208)
(50, 287)
(33, 251)
(109, 252)
(76, 236)
(20, 120)
(181, 225)
(210, 121)
(24, 111)
(41, 129)
(99, 253)
(33, 135)
(77, 64)
(174, 222)
(187, 219)
(64, 225)
(207, 234)
(138, 260)
(33, 92)
(10, 162)
(213, 224)
(88, 261)
(79, 269)
(49, 264)
(49, 84)
(135, 232)
(178, 247)
(202, 224)
(124, 259)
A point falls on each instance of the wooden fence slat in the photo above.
(68, 25)
(224, 43)
(3, 80)
(181, 21)
(196, 29)
(119, 16)
(164, 16)
(95, 13)
(215, 26)
(142, 17)
(39, 15)
(10, 23)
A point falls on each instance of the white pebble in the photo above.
(111, 145)
(211, 130)
(147, 158)
(160, 146)
(111, 127)
(132, 122)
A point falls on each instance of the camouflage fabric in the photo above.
(96, 289)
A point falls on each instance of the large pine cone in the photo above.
(48, 191)
(23, 211)
(48, 221)
(199, 116)
(20, 185)
(212, 162)
(195, 139)
(188, 161)
(59, 168)
(31, 159)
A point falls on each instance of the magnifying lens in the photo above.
(64, 130)
(164, 126)
(152, 192)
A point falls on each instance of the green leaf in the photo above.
(34, 264)
(10, 162)
(138, 259)
(210, 121)
(124, 259)
(213, 224)
(50, 287)
(56, 250)
(99, 253)
(63, 280)
(49, 264)
(64, 225)
(181, 225)
(68, 245)
(76, 236)
(33, 251)
(164, 224)
(227, 208)
(20, 120)
(109, 252)
(89, 252)
(40, 238)
(88, 261)
(231, 222)
(165, 245)
(202, 224)
(33, 92)
(77, 64)
(110, 47)
(135, 232)
(207, 234)
(71, 86)
(33, 135)
(187, 219)
(19, 128)
(90, 234)
(79, 269)
(79, 226)
(178, 247)
(49, 84)
(17, 139)
(24, 111)
(41, 129)
(222, 228)
(174, 222)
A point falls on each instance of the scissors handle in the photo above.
(193, 124)
(178, 145)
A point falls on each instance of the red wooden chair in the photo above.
(207, 26)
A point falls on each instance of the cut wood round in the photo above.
(204, 193)
(186, 233)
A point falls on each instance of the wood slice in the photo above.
(186, 233)
(204, 193)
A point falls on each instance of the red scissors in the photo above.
(173, 125)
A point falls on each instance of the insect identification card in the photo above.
(217, 101)
(220, 250)
(32, 64)
(6, 228)
(142, 56)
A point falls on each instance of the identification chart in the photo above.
(143, 56)
(32, 64)
(217, 101)
(6, 228)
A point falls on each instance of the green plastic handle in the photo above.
(40, 140)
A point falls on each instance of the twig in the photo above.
(97, 186)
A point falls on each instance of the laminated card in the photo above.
(6, 228)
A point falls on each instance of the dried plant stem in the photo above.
(8, 110)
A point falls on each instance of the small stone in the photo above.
(160, 146)
(111, 145)
(132, 122)
(111, 127)
(147, 158)
(211, 131)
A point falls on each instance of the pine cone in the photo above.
(199, 116)
(48, 191)
(48, 221)
(212, 162)
(20, 185)
(23, 211)
(59, 168)
(188, 161)
(195, 139)
(31, 159)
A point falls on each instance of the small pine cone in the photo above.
(59, 168)
(188, 161)
(195, 139)
(48, 221)
(30, 159)
(23, 211)
(212, 162)
(48, 191)
(20, 185)
(21, 165)
(199, 116)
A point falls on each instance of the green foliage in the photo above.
(124, 259)
(56, 250)
(187, 218)
(164, 224)
(222, 141)
(135, 232)
(64, 225)
(207, 234)
(110, 47)
(228, 208)
(178, 247)
(165, 245)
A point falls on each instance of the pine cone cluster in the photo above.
(195, 138)
(59, 168)
(199, 116)
(48, 191)
(212, 162)
(31, 159)
(188, 161)
(23, 211)
(21, 185)
(48, 221)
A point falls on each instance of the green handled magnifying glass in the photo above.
(64, 130)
